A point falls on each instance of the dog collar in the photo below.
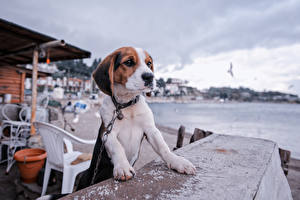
(120, 106)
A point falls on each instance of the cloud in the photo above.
(176, 33)
(173, 31)
(259, 68)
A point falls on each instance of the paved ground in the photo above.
(7, 186)
(87, 128)
(294, 178)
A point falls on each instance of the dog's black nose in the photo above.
(148, 78)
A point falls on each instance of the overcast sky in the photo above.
(193, 40)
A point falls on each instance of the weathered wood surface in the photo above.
(228, 167)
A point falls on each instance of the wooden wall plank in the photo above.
(11, 83)
(22, 86)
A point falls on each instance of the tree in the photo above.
(94, 65)
(161, 83)
(76, 68)
(169, 80)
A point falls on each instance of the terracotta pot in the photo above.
(29, 162)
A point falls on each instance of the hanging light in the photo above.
(48, 57)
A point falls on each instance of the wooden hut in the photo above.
(12, 79)
(17, 45)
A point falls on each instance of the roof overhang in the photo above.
(17, 44)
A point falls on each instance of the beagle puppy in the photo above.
(125, 74)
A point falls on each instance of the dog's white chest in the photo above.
(128, 131)
(130, 135)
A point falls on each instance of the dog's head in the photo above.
(131, 67)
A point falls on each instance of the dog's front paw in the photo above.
(123, 171)
(181, 165)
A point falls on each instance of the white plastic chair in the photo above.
(54, 139)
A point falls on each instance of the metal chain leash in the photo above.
(109, 127)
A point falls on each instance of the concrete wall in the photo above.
(228, 167)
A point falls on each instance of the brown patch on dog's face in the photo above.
(128, 62)
(149, 61)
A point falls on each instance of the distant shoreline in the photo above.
(188, 100)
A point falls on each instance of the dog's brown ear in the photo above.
(104, 74)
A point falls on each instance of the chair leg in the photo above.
(10, 158)
(3, 160)
(11, 162)
(68, 181)
(46, 179)
(1, 152)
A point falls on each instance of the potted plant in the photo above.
(29, 162)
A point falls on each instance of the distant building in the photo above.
(69, 84)
(87, 86)
(173, 86)
(245, 96)
(178, 87)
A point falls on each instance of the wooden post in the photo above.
(285, 157)
(199, 134)
(180, 137)
(34, 88)
(23, 75)
(207, 133)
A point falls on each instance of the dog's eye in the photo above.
(129, 63)
(149, 63)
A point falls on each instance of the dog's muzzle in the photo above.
(148, 79)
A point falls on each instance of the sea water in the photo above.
(276, 122)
